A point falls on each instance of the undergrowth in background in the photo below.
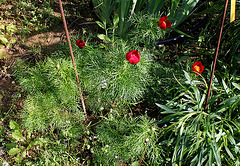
(150, 111)
(29, 15)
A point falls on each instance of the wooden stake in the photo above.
(216, 54)
(71, 52)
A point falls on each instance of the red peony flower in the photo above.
(133, 56)
(198, 67)
(164, 23)
(80, 43)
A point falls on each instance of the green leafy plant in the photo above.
(104, 9)
(118, 78)
(122, 140)
(145, 31)
(125, 10)
(106, 37)
(110, 79)
(23, 144)
(230, 53)
(153, 6)
(6, 39)
(53, 97)
(202, 136)
(180, 10)
(31, 15)
(47, 148)
(209, 35)
(109, 9)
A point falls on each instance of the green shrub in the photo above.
(108, 78)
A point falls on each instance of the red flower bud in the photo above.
(164, 23)
(198, 67)
(80, 43)
(133, 56)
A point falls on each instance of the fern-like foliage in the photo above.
(122, 140)
(52, 96)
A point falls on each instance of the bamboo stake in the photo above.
(216, 53)
(72, 56)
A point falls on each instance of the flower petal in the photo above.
(134, 60)
(163, 18)
(198, 67)
(128, 55)
(162, 25)
(133, 56)
(168, 24)
(80, 43)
